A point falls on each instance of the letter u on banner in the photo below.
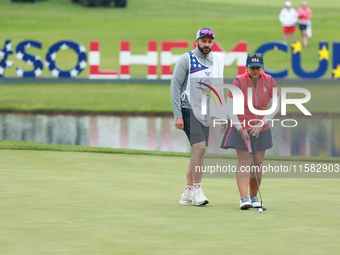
(323, 61)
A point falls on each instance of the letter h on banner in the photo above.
(126, 59)
(167, 58)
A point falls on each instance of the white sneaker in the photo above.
(255, 203)
(199, 198)
(187, 199)
(244, 203)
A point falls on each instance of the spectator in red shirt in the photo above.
(304, 15)
(250, 126)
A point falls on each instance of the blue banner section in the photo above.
(336, 61)
(30, 59)
(51, 56)
(4, 63)
(274, 46)
(323, 61)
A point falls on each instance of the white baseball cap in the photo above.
(289, 4)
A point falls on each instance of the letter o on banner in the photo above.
(51, 56)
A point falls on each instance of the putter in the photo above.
(257, 182)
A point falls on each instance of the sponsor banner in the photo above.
(159, 59)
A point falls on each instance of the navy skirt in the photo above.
(232, 139)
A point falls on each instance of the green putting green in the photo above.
(108, 203)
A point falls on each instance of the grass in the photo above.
(128, 98)
(111, 203)
(161, 20)
(23, 145)
(86, 98)
(54, 20)
(59, 199)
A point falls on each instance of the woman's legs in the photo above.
(258, 157)
(244, 176)
(242, 173)
(304, 37)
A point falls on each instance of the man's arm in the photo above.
(178, 78)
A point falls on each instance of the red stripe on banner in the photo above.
(125, 46)
(226, 139)
(124, 69)
(152, 46)
(217, 47)
(95, 70)
(152, 69)
(240, 47)
(241, 70)
(167, 46)
(166, 70)
(94, 45)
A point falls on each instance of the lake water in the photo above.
(313, 136)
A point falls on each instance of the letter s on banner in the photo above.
(4, 63)
(29, 59)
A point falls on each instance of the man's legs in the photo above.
(193, 192)
(196, 161)
(189, 177)
(196, 164)
(188, 195)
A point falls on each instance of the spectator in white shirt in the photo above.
(288, 19)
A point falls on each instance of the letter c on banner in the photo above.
(274, 46)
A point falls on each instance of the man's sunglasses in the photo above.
(207, 32)
(258, 55)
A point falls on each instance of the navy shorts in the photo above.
(195, 130)
(232, 139)
(302, 26)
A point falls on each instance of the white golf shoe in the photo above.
(245, 203)
(254, 202)
(187, 199)
(199, 198)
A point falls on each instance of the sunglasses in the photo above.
(258, 55)
(207, 32)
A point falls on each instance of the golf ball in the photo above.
(260, 210)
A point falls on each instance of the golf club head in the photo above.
(263, 208)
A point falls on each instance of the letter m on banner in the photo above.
(238, 54)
